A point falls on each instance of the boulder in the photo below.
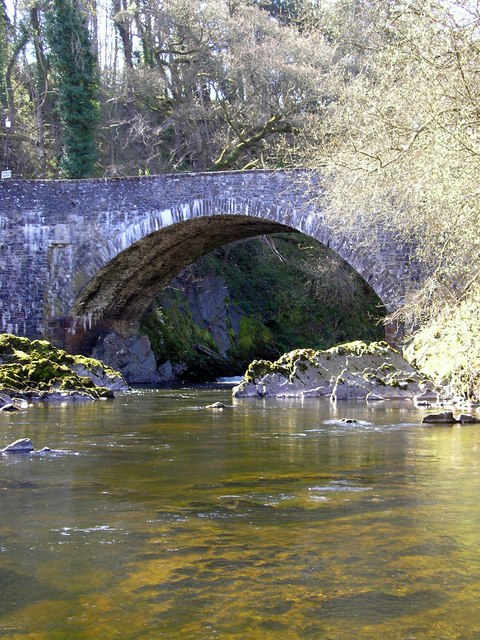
(445, 417)
(426, 398)
(373, 397)
(465, 418)
(353, 371)
(23, 445)
(81, 395)
(5, 399)
(100, 375)
(169, 373)
(9, 407)
(34, 369)
(132, 356)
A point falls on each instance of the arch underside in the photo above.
(122, 290)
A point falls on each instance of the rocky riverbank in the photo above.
(353, 371)
(36, 370)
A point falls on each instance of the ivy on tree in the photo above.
(77, 87)
(4, 49)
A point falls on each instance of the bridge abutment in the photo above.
(79, 336)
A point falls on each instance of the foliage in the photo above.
(447, 348)
(221, 84)
(304, 294)
(404, 139)
(216, 85)
(401, 147)
(74, 67)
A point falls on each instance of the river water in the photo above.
(270, 520)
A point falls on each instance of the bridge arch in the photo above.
(120, 292)
(89, 255)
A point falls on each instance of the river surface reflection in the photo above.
(272, 519)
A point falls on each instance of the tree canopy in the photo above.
(221, 84)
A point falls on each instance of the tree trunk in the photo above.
(123, 30)
(41, 93)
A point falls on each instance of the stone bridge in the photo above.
(80, 257)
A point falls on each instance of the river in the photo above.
(270, 520)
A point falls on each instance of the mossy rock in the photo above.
(260, 368)
(358, 367)
(36, 365)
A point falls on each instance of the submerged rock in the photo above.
(23, 445)
(217, 405)
(357, 370)
(9, 407)
(467, 418)
(445, 417)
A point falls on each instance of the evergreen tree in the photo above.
(77, 86)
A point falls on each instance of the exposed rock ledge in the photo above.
(356, 370)
(36, 370)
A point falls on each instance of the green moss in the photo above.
(21, 356)
(360, 348)
(90, 363)
(386, 367)
(76, 382)
(260, 368)
(174, 336)
(36, 364)
(11, 376)
(252, 335)
(301, 355)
